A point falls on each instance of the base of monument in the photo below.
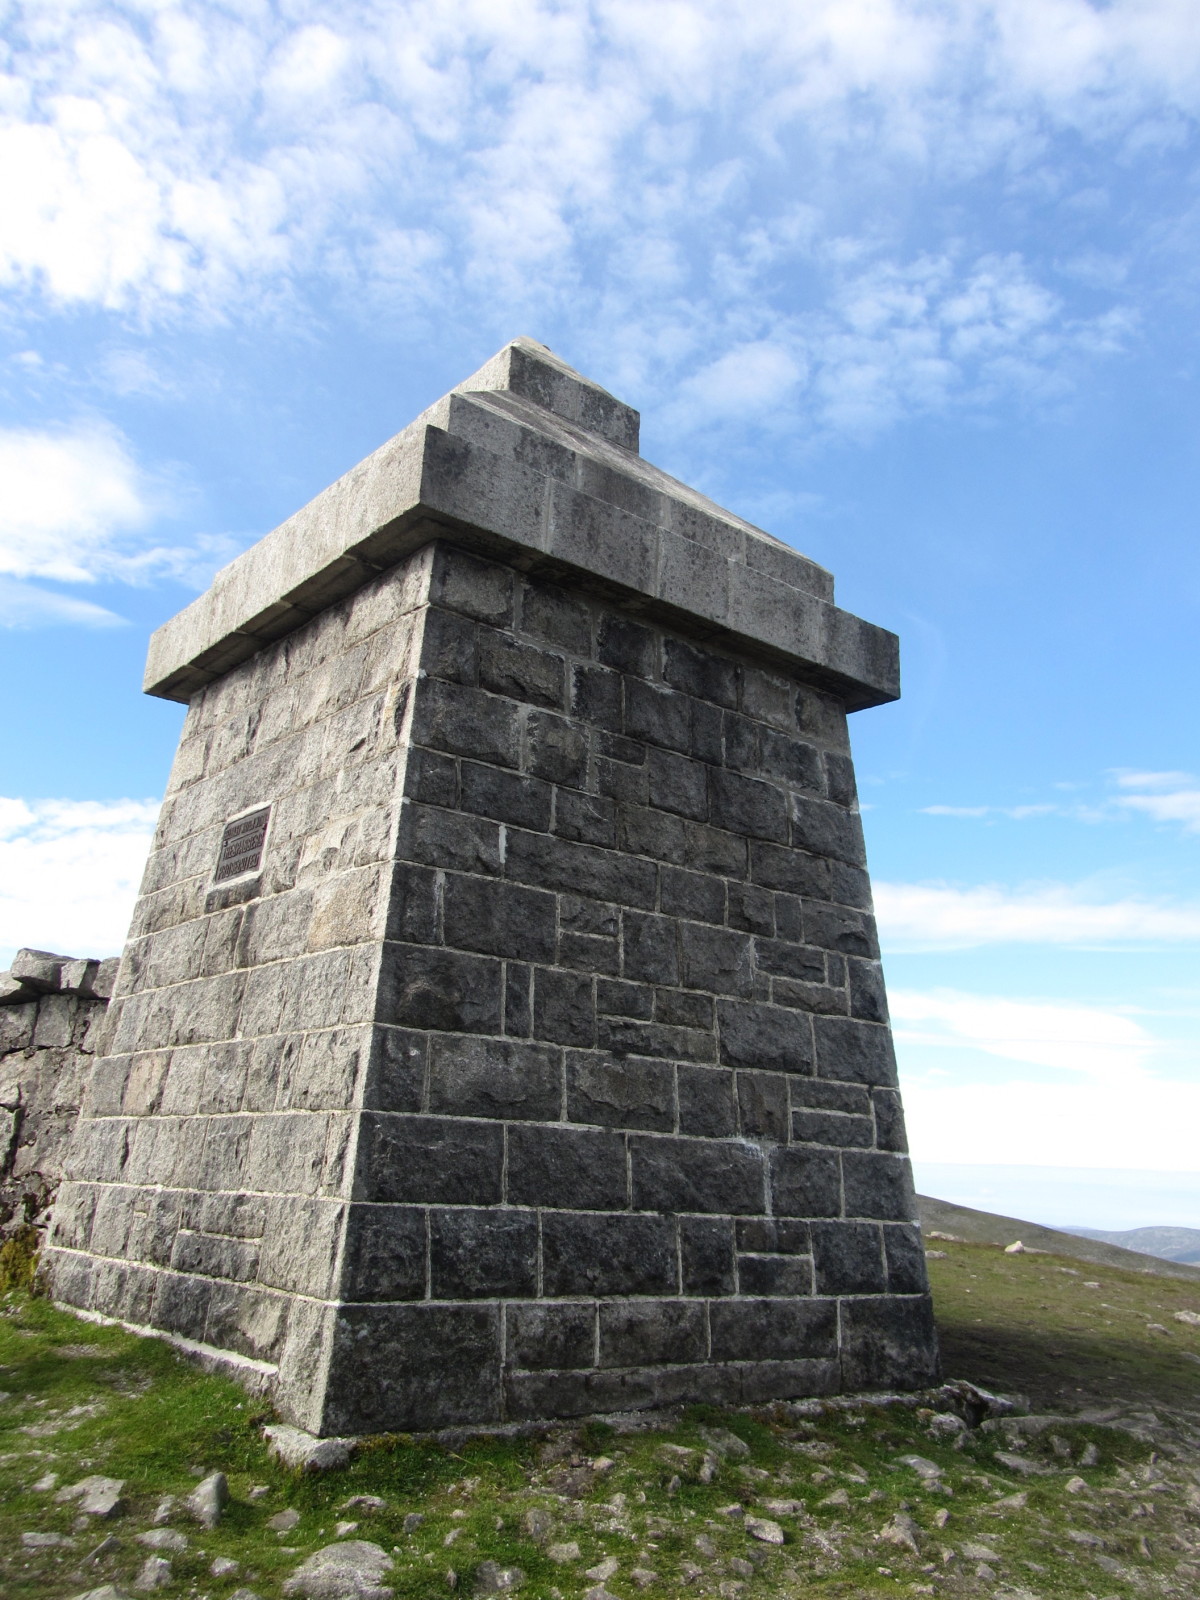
(256, 1377)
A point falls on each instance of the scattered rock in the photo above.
(705, 1546)
(1027, 1469)
(163, 1539)
(243, 1594)
(764, 1530)
(1016, 1248)
(561, 1553)
(491, 1578)
(1074, 1485)
(839, 1497)
(1090, 1456)
(97, 1496)
(44, 1484)
(936, 1255)
(973, 1404)
(44, 1541)
(724, 1442)
(1192, 1318)
(603, 1570)
(598, 1592)
(539, 1524)
(734, 1510)
(744, 1569)
(1007, 1503)
(208, 1499)
(603, 1464)
(343, 1528)
(924, 1468)
(784, 1508)
(1156, 1327)
(902, 1532)
(155, 1573)
(163, 1510)
(258, 1491)
(348, 1571)
(643, 1577)
(941, 1517)
(413, 1521)
(977, 1552)
(283, 1521)
(362, 1502)
(1078, 1536)
(946, 1425)
(304, 1451)
(223, 1567)
(109, 1591)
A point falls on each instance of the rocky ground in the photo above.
(124, 1471)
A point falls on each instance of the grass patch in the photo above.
(1103, 1504)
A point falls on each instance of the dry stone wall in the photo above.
(51, 1013)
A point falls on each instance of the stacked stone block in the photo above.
(543, 1068)
(51, 1011)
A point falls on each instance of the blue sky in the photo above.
(912, 285)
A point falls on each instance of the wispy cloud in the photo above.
(1161, 796)
(940, 916)
(1096, 1041)
(601, 166)
(1060, 1083)
(69, 872)
(76, 508)
(26, 605)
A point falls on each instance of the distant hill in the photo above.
(1169, 1244)
(986, 1227)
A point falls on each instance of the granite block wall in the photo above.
(52, 1012)
(544, 1066)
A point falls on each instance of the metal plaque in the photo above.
(242, 845)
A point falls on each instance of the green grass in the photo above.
(86, 1399)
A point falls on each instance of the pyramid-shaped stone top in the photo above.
(530, 461)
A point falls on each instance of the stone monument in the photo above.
(501, 1031)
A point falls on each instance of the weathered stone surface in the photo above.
(539, 1063)
(351, 1570)
(95, 1496)
(208, 1499)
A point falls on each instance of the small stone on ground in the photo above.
(351, 1570)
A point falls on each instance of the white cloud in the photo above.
(69, 872)
(563, 159)
(1016, 813)
(1024, 1120)
(1172, 797)
(68, 501)
(939, 916)
(1183, 806)
(1122, 1110)
(75, 507)
(1101, 1043)
(24, 605)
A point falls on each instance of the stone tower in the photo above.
(501, 1032)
